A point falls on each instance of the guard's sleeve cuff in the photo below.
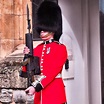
(38, 87)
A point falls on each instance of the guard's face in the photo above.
(46, 35)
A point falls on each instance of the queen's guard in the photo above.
(48, 87)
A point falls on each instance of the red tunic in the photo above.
(52, 58)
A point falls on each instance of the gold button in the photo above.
(43, 48)
(41, 69)
(44, 45)
(41, 61)
(41, 66)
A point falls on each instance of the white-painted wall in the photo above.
(83, 28)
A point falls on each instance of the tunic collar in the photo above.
(48, 41)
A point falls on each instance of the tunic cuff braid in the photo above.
(37, 86)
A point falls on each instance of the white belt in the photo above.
(59, 76)
(38, 76)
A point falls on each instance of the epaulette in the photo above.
(58, 42)
(40, 44)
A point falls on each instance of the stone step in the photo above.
(9, 96)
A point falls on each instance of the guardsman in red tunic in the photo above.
(48, 87)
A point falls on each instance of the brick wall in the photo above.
(13, 24)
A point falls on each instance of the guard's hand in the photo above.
(26, 50)
(30, 90)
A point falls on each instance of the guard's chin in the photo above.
(45, 39)
(44, 36)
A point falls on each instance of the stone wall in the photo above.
(13, 24)
(9, 73)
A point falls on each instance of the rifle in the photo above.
(30, 62)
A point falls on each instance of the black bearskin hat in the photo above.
(49, 18)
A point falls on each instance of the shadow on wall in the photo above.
(69, 40)
(102, 51)
(71, 76)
